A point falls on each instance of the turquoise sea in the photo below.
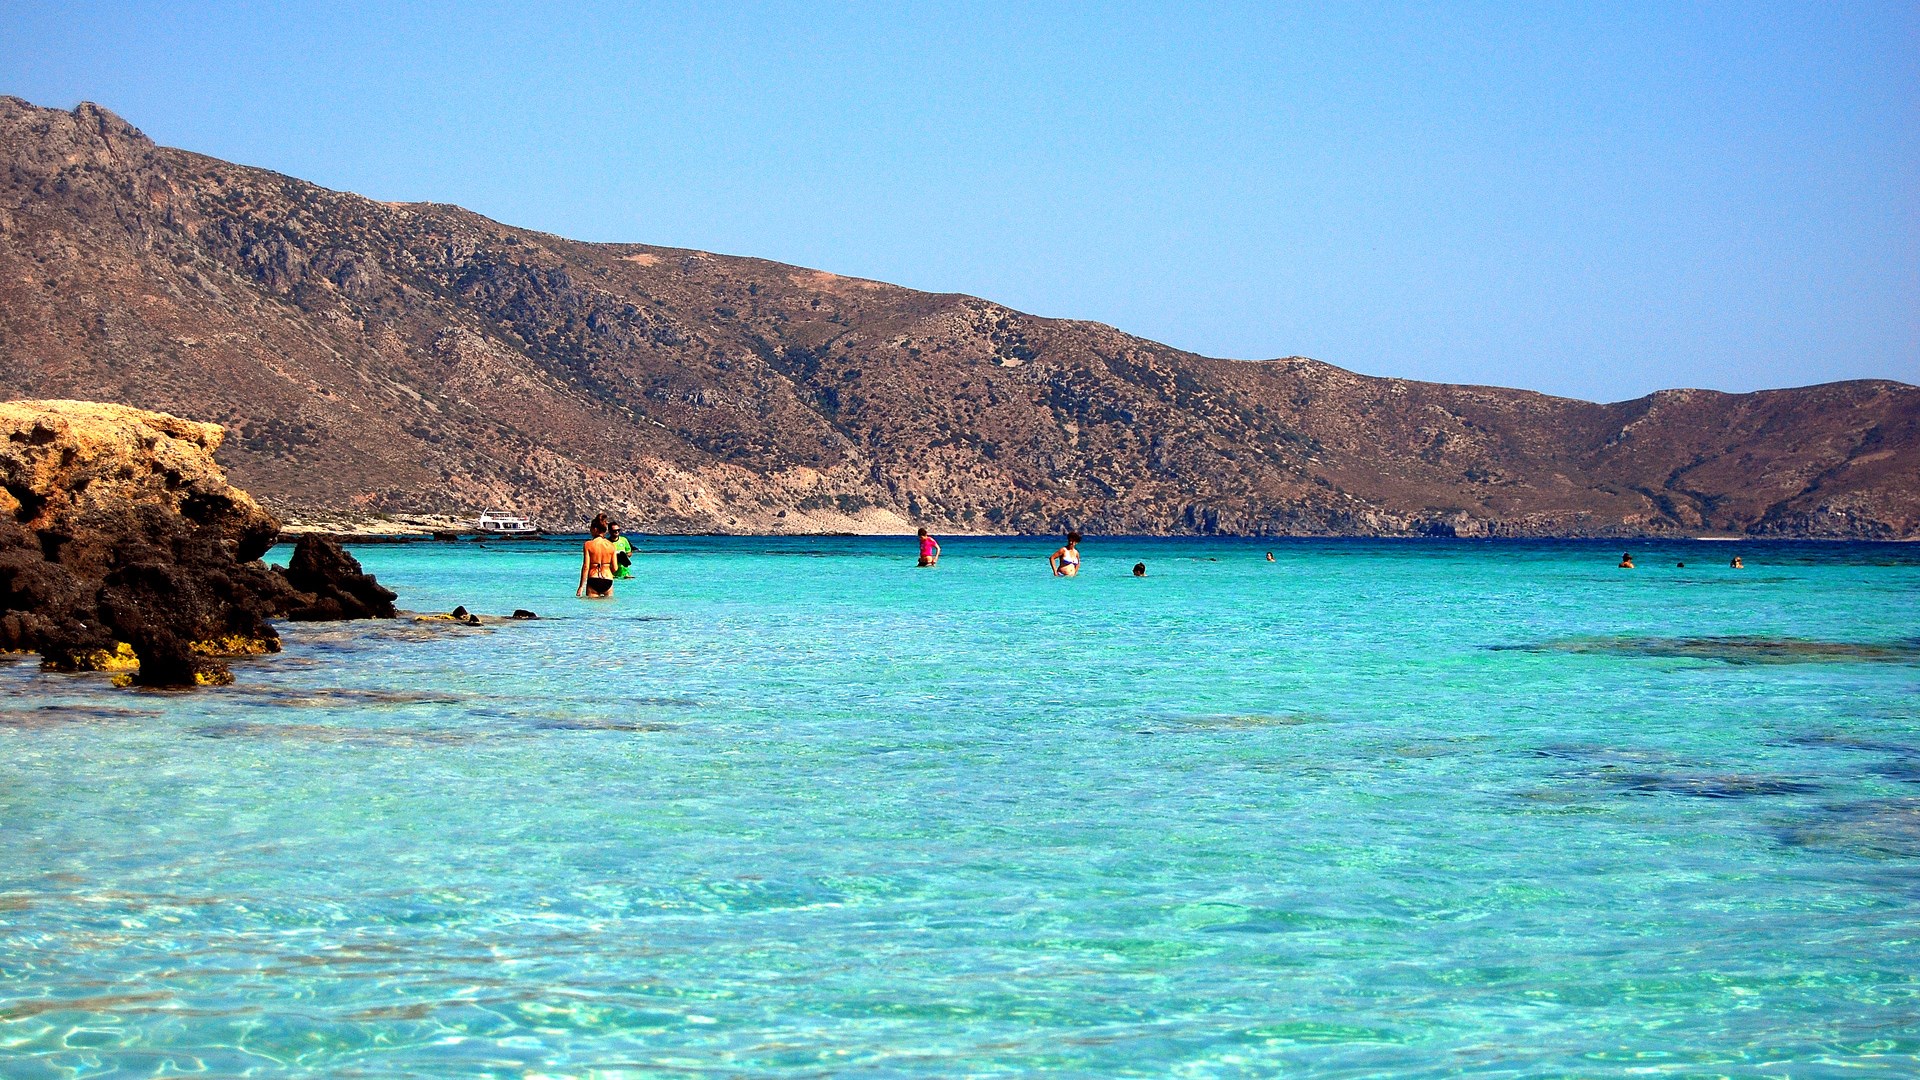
(795, 808)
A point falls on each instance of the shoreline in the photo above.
(360, 528)
(472, 536)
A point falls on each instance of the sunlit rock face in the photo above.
(417, 358)
(124, 548)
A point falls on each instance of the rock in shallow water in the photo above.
(340, 589)
(123, 547)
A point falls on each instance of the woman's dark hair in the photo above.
(1073, 538)
(599, 526)
(923, 530)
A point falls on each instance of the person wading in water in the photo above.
(623, 552)
(598, 559)
(1066, 561)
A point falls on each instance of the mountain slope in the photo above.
(419, 357)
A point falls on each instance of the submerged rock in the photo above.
(123, 548)
(1732, 649)
(1886, 828)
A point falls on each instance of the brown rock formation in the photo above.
(339, 590)
(123, 547)
(421, 358)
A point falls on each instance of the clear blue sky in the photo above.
(1596, 200)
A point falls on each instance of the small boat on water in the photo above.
(501, 523)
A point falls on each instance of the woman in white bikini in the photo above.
(1066, 561)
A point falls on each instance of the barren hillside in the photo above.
(419, 357)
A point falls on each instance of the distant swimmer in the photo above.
(1681, 565)
(623, 552)
(1269, 556)
(1737, 564)
(929, 550)
(598, 558)
(1626, 560)
(1139, 569)
(1066, 561)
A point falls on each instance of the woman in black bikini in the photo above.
(598, 558)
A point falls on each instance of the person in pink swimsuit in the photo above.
(929, 550)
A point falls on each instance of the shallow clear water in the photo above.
(792, 807)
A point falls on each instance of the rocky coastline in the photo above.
(123, 548)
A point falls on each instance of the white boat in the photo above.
(501, 522)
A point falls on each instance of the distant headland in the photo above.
(370, 358)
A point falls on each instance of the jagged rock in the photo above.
(340, 589)
(123, 548)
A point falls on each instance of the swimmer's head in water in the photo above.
(1073, 538)
(1139, 569)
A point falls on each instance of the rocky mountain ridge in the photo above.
(419, 358)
